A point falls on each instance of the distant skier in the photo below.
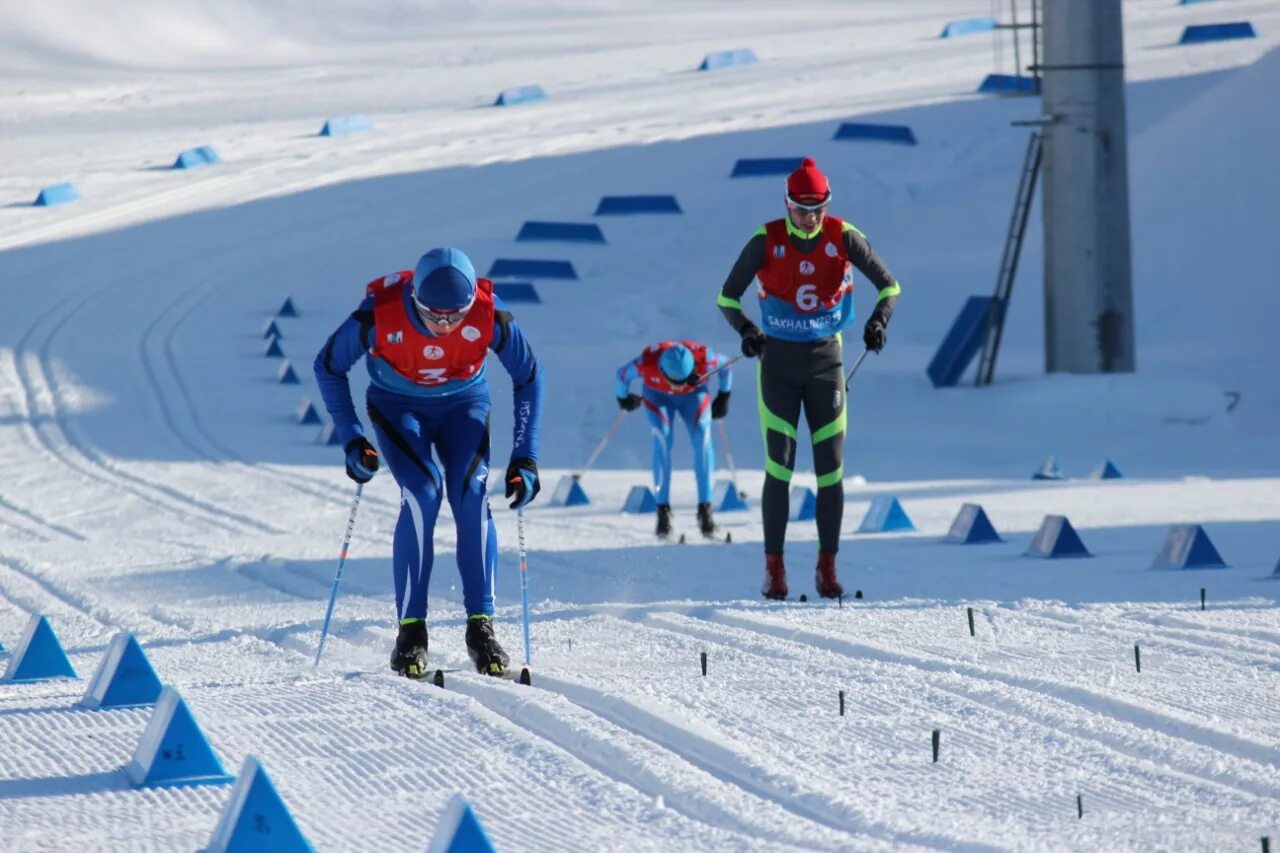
(804, 263)
(426, 332)
(669, 372)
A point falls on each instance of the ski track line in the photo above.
(218, 515)
(1083, 697)
(65, 450)
(722, 761)
(1060, 723)
(1187, 637)
(30, 577)
(629, 765)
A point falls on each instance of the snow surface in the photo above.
(152, 479)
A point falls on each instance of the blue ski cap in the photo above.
(676, 363)
(444, 280)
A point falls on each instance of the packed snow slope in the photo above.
(152, 477)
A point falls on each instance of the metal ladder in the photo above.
(1009, 261)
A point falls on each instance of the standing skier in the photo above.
(426, 333)
(804, 263)
(670, 372)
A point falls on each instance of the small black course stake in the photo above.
(842, 703)
(1137, 657)
(971, 633)
(937, 742)
(1079, 806)
(704, 664)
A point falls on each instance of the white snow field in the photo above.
(153, 479)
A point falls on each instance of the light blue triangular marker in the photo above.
(1187, 546)
(39, 655)
(460, 831)
(256, 819)
(1057, 538)
(725, 497)
(173, 750)
(640, 500)
(802, 504)
(885, 515)
(125, 678)
(569, 492)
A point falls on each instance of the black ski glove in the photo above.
(522, 481)
(720, 406)
(629, 403)
(873, 333)
(753, 341)
(362, 460)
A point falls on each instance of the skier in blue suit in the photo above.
(673, 374)
(426, 333)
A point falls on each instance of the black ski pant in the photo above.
(793, 375)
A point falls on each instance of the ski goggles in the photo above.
(809, 207)
(443, 318)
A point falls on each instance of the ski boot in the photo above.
(706, 523)
(775, 577)
(664, 521)
(825, 577)
(409, 657)
(483, 648)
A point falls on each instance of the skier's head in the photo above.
(676, 363)
(808, 195)
(444, 288)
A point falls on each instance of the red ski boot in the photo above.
(775, 577)
(828, 586)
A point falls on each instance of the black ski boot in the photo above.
(706, 523)
(409, 657)
(482, 646)
(664, 521)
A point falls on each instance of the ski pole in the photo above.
(524, 584)
(595, 454)
(728, 456)
(704, 377)
(856, 365)
(337, 578)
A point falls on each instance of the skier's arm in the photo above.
(346, 346)
(513, 350)
(749, 262)
(714, 360)
(867, 262)
(626, 374)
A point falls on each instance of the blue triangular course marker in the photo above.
(173, 750)
(329, 436)
(125, 678)
(803, 504)
(725, 497)
(307, 413)
(256, 819)
(272, 349)
(1187, 546)
(971, 527)
(569, 492)
(39, 655)
(286, 374)
(1107, 471)
(271, 329)
(288, 309)
(459, 830)
(885, 515)
(1276, 573)
(640, 500)
(1057, 538)
(57, 194)
(1048, 471)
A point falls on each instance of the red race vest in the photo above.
(807, 281)
(652, 376)
(421, 358)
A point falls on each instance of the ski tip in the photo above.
(524, 676)
(728, 537)
(681, 539)
(438, 678)
(803, 597)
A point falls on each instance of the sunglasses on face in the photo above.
(817, 207)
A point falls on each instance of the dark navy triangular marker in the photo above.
(569, 492)
(173, 750)
(287, 309)
(39, 655)
(307, 413)
(1057, 538)
(125, 678)
(271, 329)
(1187, 546)
(803, 504)
(971, 527)
(1107, 471)
(286, 374)
(460, 831)
(1048, 471)
(272, 349)
(256, 819)
(885, 515)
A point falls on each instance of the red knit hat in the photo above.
(807, 185)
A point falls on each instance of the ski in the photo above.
(726, 539)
